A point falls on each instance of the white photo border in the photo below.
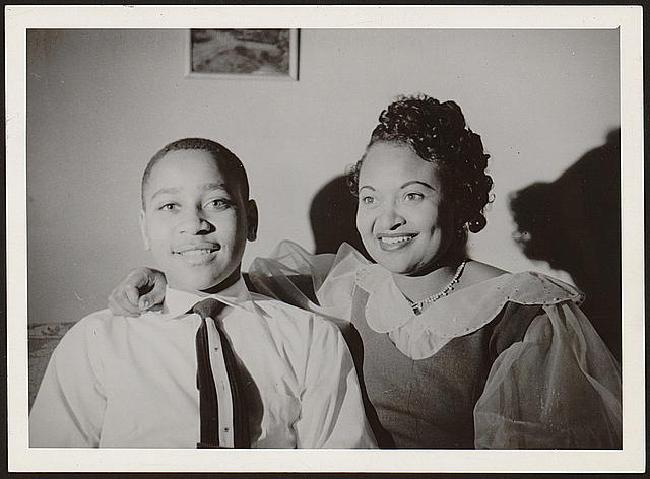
(629, 19)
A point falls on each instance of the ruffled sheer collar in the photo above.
(462, 312)
(336, 278)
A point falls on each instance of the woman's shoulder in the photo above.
(476, 272)
(527, 287)
(513, 299)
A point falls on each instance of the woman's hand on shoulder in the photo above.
(137, 292)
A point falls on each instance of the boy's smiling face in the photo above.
(195, 220)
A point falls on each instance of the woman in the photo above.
(454, 353)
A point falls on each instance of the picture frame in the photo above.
(242, 53)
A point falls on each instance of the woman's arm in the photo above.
(558, 388)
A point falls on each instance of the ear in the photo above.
(252, 220)
(143, 230)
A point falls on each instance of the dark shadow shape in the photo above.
(332, 215)
(574, 224)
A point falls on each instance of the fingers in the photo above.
(144, 302)
(120, 304)
(137, 278)
(159, 289)
(125, 300)
(156, 294)
(131, 293)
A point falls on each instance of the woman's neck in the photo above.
(416, 288)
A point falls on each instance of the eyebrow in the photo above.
(215, 186)
(408, 183)
(206, 187)
(415, 182)
(163, 191)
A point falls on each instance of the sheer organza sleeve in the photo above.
(320, 283)
(558, 388)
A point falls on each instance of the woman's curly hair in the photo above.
(437, 133)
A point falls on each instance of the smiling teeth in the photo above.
(196, 252)
(395, 239)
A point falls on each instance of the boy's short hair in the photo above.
(218, 152)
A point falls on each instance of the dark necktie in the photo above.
(208, 406)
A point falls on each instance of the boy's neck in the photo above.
(225, 284)
(218, 288)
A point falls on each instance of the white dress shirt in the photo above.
(131, 382)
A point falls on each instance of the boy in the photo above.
(242, 371)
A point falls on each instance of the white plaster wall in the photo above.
(101, 102)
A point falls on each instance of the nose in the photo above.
(389, 218)
(194, 222)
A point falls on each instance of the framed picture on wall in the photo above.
(265, 53)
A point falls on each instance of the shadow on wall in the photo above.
(332, 216)
(574, 224)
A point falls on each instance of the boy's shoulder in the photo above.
(287, 315)
(100, 318)
(280, 310)
(94, 325)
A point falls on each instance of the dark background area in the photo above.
(574, 224)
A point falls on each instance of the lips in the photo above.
(198, 254)
(395, 241)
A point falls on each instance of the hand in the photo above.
(141, 289)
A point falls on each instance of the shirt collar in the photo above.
(179, 302)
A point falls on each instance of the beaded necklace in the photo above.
(418, 306)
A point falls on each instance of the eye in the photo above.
(218, 204)
(413, 196)
(168, 207)
(368, 200)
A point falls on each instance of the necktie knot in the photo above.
(208, 308)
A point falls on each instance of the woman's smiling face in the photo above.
(399, 217)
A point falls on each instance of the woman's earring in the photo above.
(474, 225)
